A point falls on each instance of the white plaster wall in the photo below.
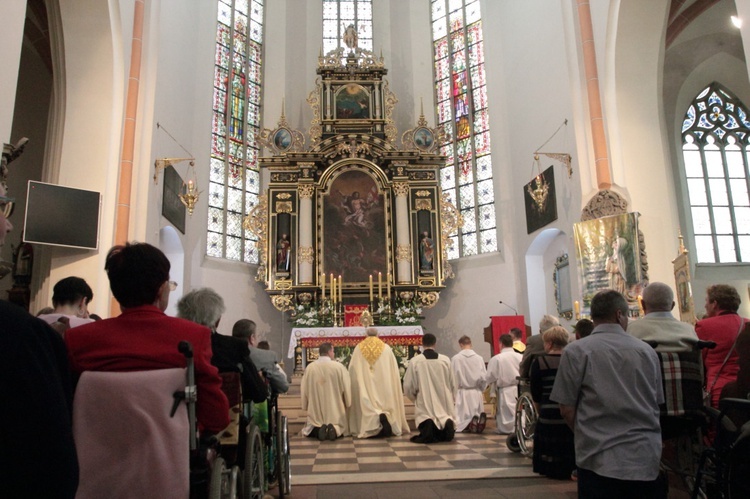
(13, 14)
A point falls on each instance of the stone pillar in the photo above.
(403, 236)
(305, 256)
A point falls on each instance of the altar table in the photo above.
(312, 337)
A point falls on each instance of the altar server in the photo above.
(470, 373)
(502, 370)
(377, 397)
(430, 384)
(326, 394)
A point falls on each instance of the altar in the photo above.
(403, 340)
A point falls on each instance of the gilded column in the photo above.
(403, 237)
(305, 256)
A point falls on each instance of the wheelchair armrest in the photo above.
(701, 344)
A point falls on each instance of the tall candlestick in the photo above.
(341, 285)
(333, 290)
(380, 285)
(370, 288)
(577, 308)
(322, 286)
(388, 286)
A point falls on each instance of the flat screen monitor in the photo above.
(61, 216)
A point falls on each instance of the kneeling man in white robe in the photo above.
(430, 384)
(377, 397)
(326, 394)
(469, 371)
(502, 370)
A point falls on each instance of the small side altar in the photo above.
(403, 340)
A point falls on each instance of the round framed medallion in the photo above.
(424, 139)
(282, 139)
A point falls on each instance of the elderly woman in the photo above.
(554, 453)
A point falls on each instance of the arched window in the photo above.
(715, 142)
(338, 14)
(234, 175)
(461, 96)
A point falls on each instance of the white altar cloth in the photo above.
(300, 333)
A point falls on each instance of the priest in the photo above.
(326, 394)
(468, 368)
(377, 397)
(429, 383)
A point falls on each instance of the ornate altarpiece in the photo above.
(352, 203)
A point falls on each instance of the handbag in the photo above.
(707, 391)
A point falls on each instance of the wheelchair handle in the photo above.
(701, 344)
(186, 349)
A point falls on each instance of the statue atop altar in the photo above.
(349, 215)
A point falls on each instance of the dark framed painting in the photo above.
(354, 231)
(171, 207)
(353, 103)
(540, 200)
(424, 138)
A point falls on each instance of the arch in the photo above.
(545, 247)
(171, 244)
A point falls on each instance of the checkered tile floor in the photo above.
(348, 460)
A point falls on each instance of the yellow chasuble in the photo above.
(371, 348)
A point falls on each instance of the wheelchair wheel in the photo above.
(526, 417)
(511, 442)
(282, 455)
(253, 475)
(217, 485)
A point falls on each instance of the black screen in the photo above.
(61, 216)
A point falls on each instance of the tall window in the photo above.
(234, 174)
(715, 147)
(461, 96)
(338, 14)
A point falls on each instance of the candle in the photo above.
(380, 285)
(370, 288)
(640, 305)
(577, 308)
(333, 290)
(341, 285)
(388, 286)
(322, 286)
(190, 185)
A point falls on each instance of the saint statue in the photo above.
(426, 251)
(351, 39)
(283, 253)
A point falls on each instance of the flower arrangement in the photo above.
(404, 314)
(312, 315)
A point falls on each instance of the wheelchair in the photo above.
(522, 438)
(724, 467)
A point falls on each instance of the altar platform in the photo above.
(305, 340)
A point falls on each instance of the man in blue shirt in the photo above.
(609, 390)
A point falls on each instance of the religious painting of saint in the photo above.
(423, 138)
(282, 139)
(353, 102)
(354, 237)
(609, 257)
(684, 291)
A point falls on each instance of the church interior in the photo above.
(469, 158)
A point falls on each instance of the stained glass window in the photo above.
(461, 96)
(234, 180)
(338, 14)
(715, 149)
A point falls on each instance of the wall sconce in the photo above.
(562, 157)
(162, 163)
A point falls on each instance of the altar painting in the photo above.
(354, 236)
(609, 257)
(352, 102)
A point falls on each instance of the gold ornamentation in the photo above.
(401, 189)
(283, 285)
(366, 318)
(306, 191)
(450, 221)
(338, 59)
(283, 206)
(256, 223)
(371, 348)
(390, 102)
(429, 299)
(539, 193)
(423, 194)
(305, 254)
(423, 204)
(403, 252)
(283, 195)
(604, 204)
(304, 298)
(282, 302)
(316, 131)
(291, 141)
(406, 296)
(562, 157)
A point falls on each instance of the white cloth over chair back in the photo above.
(128, 445)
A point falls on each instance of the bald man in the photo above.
(659, 325)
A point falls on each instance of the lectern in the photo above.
(502, 324)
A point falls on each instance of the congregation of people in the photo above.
(598, 389)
